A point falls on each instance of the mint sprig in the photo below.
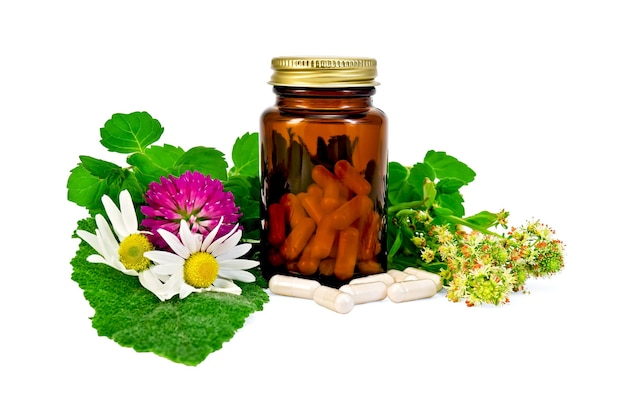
(135, 134)
(187, 330)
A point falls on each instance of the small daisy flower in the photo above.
(121, 247)
(193, 197)
(196, 264)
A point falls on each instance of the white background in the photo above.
(530, 94)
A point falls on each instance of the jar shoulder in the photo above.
(274, 113)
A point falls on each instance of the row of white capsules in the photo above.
(399, 286)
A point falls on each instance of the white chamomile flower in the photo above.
(198, 264)
(122, 247)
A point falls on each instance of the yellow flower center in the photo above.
(200, 270)
(132, 249)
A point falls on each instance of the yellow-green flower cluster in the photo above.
(485, 268)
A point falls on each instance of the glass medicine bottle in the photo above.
(323, 171)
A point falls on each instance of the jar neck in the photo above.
(323, 99)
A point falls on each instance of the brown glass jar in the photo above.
(323, 171)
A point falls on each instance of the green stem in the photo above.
(458, 220)
(405, 206)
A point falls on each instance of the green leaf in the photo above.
(397, 175)
(128, 133)
(246, 191)
(85, 189)
(446, 166)
(419, 173)
(430, 192)
(449, 185)
(156, 162)
(184, 331)
(452, 202)
(245, 155)
(485, 219)
(208, 161)
(99, 168)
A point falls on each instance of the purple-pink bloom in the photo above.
(194, 197)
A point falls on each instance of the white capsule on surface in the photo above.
(366, 292)
(423, 274)
(333, 299)
(296, 287)
(411, 290)
(400, 276)
(378, 277)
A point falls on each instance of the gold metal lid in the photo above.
(323, 72)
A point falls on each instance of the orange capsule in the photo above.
(292, 267)
(327, 266)
(275, 259)
(369, 267)
(350, 211)
(315, 190)
(276, 224)
(346, 253)
(351, 178)
(312, 206)
(307, 265)
(334, 191)
(297, 239)
(294, 212)
(323, 240)
(369, 236)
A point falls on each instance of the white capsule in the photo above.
(366, 292)
(379, 277)
(423, 274)
(333, 299)
(296, 287)
(411, 290)
(400, 276)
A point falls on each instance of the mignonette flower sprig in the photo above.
(428, 229)
(483, 267)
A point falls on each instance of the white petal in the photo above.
(127, 209)
(174, 243)
(236, 274)
(90, 238)
(191, 240)
(186, 290)
(226, 286)
(115, 217)
(237, 263)
(109, 243)
(236, 251)
(96, 258)
(115, 264)
(151, 282)
(211, 236)
(227, 244)
(161, 257)
(166, 269)
(172, 286)
(219, 241)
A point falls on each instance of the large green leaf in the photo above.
(447, 166)
(207, 160)
(245, 155)
(128, 133)
(184, 331)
